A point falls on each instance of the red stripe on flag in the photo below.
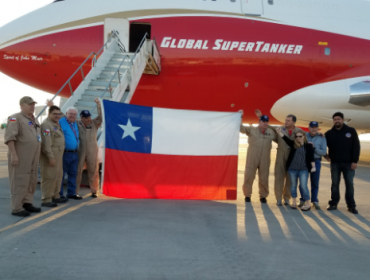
(136, 175)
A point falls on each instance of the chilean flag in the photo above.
(169, 154)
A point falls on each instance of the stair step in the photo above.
(122, 55)
(107, 79)
(119, 59)
(108, 72)
(99, 88)
(118, 62)
(89, 98)
(114, 67)
(103, 84)
(81, 108)
(85, 103)
(95, 93)
(106, 76)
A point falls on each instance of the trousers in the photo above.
(282, 179)
(302, 175)
(337, 169)
(70, 166)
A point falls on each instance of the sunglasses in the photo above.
(299, 136)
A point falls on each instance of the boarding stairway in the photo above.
(114, 75)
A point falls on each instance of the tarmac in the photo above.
(108, 238)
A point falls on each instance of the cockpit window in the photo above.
(57, 1)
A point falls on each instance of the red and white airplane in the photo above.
(306, 57)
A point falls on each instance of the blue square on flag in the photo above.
(128, 127)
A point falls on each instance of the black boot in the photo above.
(49, 204)
(331, 207)
(23, 213)
(353, 210)
(247, 199)
(60, 200)
(30, 208)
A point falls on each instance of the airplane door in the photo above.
(121, 25)
(252, 7)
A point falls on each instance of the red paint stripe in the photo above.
(135, 175)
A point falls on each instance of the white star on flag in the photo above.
(129, 130)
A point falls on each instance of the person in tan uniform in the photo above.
(282, 180)
(52, 149)
(23, 137)
(258, 157)
(88, 150)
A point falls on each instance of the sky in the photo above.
(14, 90)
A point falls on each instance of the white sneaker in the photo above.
(286, 201)
(278, 203)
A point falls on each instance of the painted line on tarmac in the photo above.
(53, 218)
(28, 219)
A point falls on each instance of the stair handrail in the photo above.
(119, 67)
(114, 34)
(156, 46)
(138, 48)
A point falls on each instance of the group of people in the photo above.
(64, 145)
(61, 144)
(299, 156)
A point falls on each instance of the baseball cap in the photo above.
(314, 124)
(85, 114)
(264, 118)
(26, 99)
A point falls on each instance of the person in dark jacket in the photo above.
(300, 163)
(344, 153)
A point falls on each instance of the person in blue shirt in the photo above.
(319, 144)
(70, 156)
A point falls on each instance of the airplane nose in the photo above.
(46, 59)
(313, 103)
(319, 102)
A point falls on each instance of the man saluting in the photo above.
(258, 157)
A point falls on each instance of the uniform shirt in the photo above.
(343, 144)
(299, 159)
(259, 139)
(25, 131)
(88, 134)
(52, 138)
(71, 135)
(319, 143)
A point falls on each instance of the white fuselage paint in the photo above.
(336, 16)
(319, 102)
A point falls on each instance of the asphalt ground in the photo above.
(108, 238)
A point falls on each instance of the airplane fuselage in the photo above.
(218, 62)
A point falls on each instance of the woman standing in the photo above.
(300, 163)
